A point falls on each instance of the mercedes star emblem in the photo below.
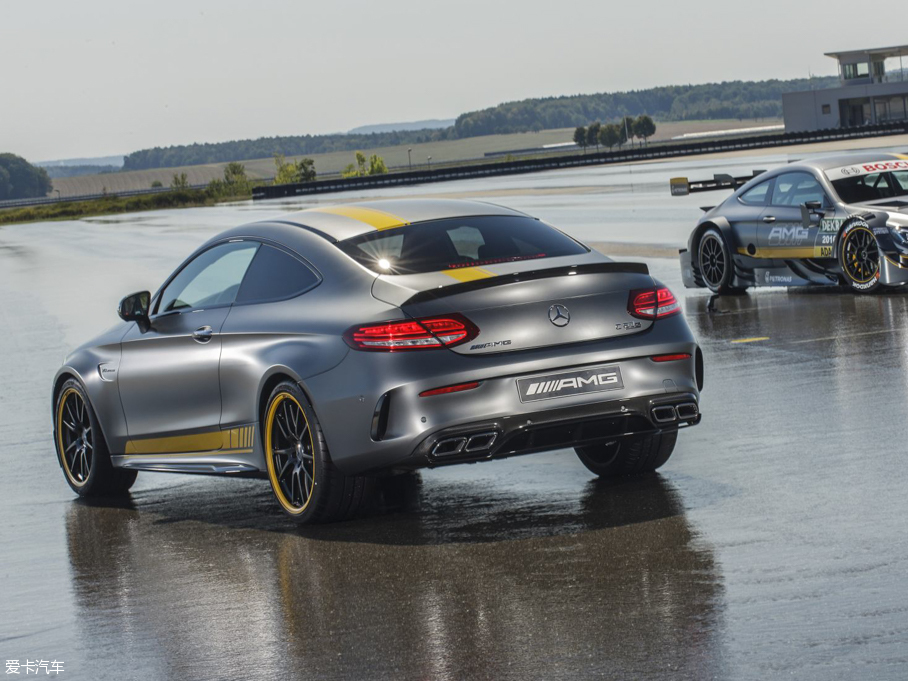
(559, 315)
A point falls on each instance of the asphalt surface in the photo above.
(771, 545)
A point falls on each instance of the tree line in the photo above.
(612, 134)
(302, 145)
(19, 179)
(735, 99)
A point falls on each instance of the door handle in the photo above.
(203, 334)
(769, 218)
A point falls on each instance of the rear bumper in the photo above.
(556, 429)
(373, 417)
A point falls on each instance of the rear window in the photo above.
(873, 187)
(458, 242)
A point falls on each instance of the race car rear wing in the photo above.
(681, 186)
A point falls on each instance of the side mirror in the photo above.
(810, 209)
(134, 308)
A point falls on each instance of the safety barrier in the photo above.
(661, 151)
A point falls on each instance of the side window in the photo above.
(757, 196)
(275, 275)
(795, 189)
(211, 279)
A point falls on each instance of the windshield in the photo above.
(873, 187)
(456, 243)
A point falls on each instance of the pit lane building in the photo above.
(874, 89)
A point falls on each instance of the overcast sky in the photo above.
(99, 77)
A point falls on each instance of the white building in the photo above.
(874, 89)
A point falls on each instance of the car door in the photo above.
(168, 376)
(743, 215)
(783, 235)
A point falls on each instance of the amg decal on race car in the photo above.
(831, 221)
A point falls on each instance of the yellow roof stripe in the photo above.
(469, 273)
(374, 218)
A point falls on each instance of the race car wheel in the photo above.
(859, 257)
(81, 448)
(304, 481)
(715, 263)
(628, 456)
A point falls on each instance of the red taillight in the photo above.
(652, 303)
(460, 387)
(412, 334)
(670, 358)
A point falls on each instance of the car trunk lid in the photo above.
(526, 305)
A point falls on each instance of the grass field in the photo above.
(448, 151)
(111, 205)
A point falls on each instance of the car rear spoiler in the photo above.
(500, 280)
(681, 186)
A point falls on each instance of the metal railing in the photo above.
(519, 166)
(44, 200)
(514, 167)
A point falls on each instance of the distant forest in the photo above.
(735, 99)
(75, 171)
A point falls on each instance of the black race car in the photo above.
(831, 221)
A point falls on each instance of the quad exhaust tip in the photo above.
(664, 414)
(668, 413)
(688, 410)
(472, 444)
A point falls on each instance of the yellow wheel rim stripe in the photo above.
(269, 456)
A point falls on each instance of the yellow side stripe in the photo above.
(374, 218)
(782, 253)
(189, 455)
(234, 439)
(751, 340)
(469, 273)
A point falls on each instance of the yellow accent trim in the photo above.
(780, 253)
(66, 470)
(751, 340)
(374, 218)
(188, 455)
(468, 273)
(269, 457)
(220, 440)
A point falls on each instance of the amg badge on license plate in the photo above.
(591, 380)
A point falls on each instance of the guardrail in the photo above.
(515, 167)
(462, 172)
(23, 203)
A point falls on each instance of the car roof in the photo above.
(839, 160)
(344, 221)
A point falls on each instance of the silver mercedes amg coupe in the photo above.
(343, 343)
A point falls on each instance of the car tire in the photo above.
(81, 449)
(715, 264)
(859, 256)
(629, 456)
(304, 481)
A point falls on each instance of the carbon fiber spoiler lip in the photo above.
(530, 275)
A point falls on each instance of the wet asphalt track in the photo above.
(771, 545)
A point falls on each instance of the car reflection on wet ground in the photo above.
(771, 543)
